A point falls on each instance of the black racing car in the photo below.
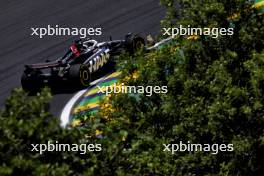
(80, 62)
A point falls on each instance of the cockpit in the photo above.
(89, 45)
(79, 47)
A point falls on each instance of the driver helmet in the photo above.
(76, 47)
(78, 43)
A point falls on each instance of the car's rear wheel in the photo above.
(31, 83)
(80, 74)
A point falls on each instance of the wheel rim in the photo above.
(84, 76)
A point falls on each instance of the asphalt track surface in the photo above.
(18, 47)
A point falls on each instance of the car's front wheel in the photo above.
(134, 43)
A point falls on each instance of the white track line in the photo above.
(66, 112)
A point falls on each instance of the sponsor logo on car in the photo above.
(99, 61)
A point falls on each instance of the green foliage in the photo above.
(215, 96)
(25, 121)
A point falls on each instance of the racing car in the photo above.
(83, 59)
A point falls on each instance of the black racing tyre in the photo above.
(85, 75)
(74, 72)
(80, 74)
(134, 43)
(31, 83)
